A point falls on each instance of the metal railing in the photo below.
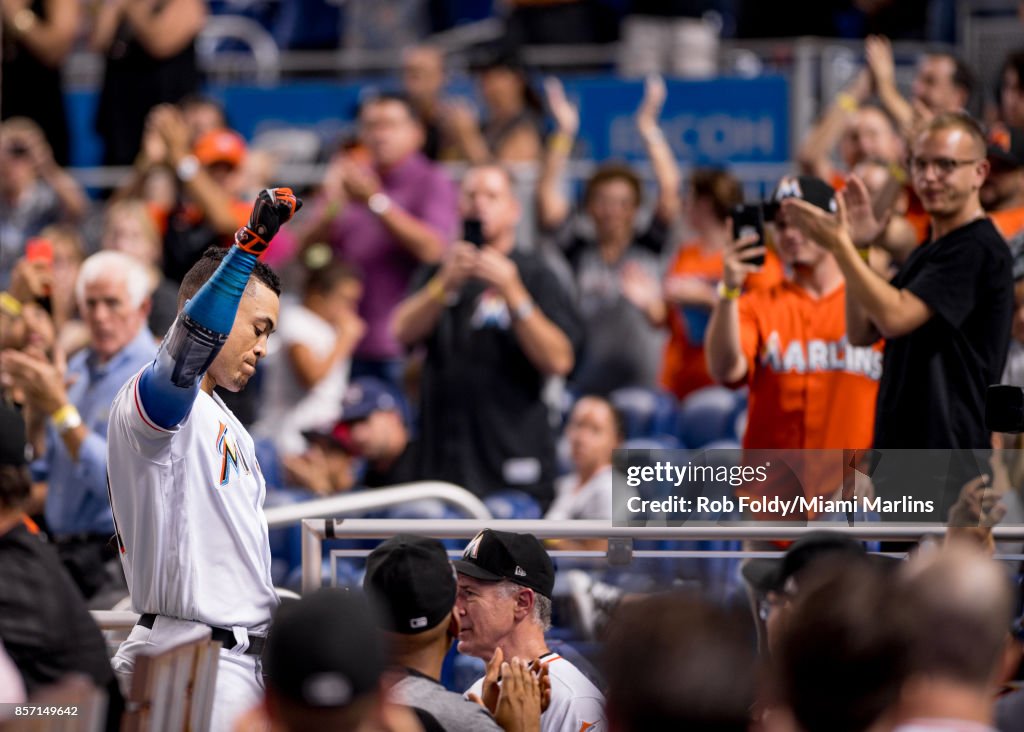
(315, 531)
(372, 500)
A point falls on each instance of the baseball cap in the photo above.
(367, 395)
(220, 146)
(324, 650)
(770, 575)
(412, 581)
(1006, 146)
(493, 556)
(807, 188)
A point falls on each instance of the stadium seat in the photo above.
(708, 415)
(646, 412)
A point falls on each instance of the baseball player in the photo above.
(503, 604)
(185, 487)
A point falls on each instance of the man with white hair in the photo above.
(503, 604)
(67, 415)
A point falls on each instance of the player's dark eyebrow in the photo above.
(268, 321)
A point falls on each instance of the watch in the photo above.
(187, 168)
(66, 419)
(379, 203)
(523, 310)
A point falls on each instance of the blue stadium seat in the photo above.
(709, 415)
(646, 412)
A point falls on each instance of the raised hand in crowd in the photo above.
(358, 181)
(663, 161)
(651, 105)
(499, 271)
(736, 262)
(25, 136)
(460, 263)
(644, 291)
(815, 154)
(565, 113)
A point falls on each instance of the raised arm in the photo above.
(663, 162)
(878, 52)
(168, 386)
(814, 154)
(723, 344)
(552, 204)
(49, 39)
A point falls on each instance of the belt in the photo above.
(223, 635)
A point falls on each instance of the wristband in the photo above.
(436, 291)
(898, 173)
(523, 310)
(864, 254)
(561, 142)
(729, 293)
(24, 21)
(66, 419)
(846, 102)
(10, 305)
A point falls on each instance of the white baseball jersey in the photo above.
(576, 704)
(188, 509)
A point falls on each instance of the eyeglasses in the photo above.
(943, 166)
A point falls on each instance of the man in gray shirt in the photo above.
(414, 585)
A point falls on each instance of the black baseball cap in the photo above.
(770, 575)
(1006, 146)
(493, 556)
(807, 188)
(411, 581)
(325, 650)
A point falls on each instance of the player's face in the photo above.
(247, 342)
(486, 616)
(945, 194)
(111, 317)
(591, 433)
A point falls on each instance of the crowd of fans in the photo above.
(418, 339)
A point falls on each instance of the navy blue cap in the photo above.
(367, 395)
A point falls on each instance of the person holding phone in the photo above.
(809, 388)
(496, 324)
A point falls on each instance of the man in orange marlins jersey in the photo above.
(809, 388)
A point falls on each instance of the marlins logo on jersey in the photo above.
(232, 460)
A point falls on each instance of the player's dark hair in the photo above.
(676, 661)
(203, 270)
(321, 280)
(613, 171)
(720, 187)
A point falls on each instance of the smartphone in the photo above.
(39, 250)
(748, 220)
(473, 232)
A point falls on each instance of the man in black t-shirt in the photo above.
(496, 324)
(946, 314)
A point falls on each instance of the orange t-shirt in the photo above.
(683, 367)
(809, 389)
(1009, 222)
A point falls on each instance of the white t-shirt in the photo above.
(593, 500)
(188, 509)
(576, 704)
(287, 407)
